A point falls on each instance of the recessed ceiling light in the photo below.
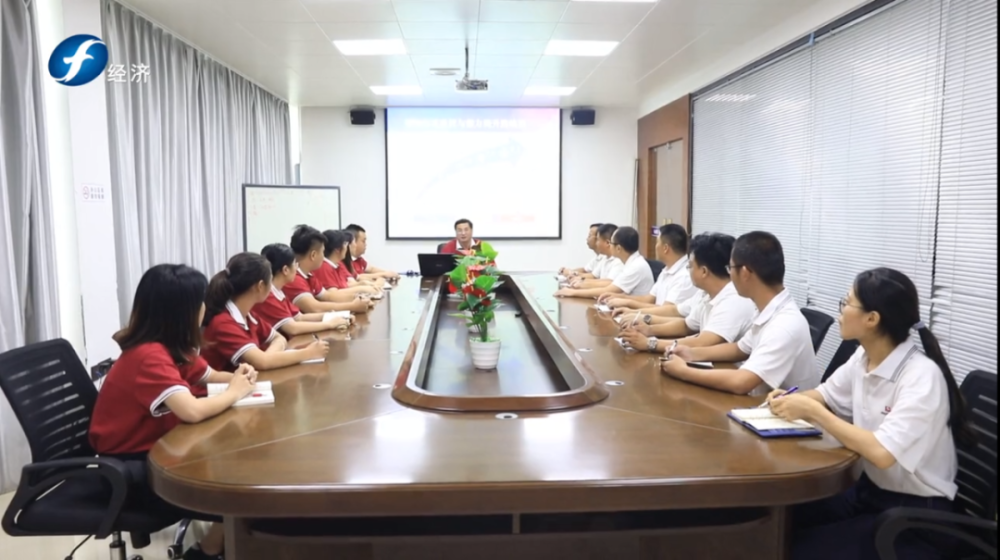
(550, 91)
(397, 90)
(371, 47)
(580, 48)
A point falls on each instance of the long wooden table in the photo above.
(370, 456)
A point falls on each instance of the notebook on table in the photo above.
(261, 394)
(766, 424)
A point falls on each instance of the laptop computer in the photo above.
(435, 265)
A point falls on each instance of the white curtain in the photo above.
(182, 145)
(29, 310)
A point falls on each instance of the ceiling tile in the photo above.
(511, 47)
(606, 12)
(358, 31)
(591, 32)
(502, 77)
(285, 31)
(350, 11)
(388, 72)
(279, 11)
(568, 70)
(424, 63)
(437, 10)
(516, 31)
(417, 30)
(318, 67)
(507, 61)
(431, 46)
(293, 48)
(519, 11)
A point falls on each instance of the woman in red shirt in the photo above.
(233, 335)
(334, 275)
(148, 391)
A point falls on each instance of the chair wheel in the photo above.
(175, 552)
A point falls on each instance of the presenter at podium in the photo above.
(463, 244)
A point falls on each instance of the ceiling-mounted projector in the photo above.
(470, 85)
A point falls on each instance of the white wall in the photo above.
(597, 185)
(79, 157)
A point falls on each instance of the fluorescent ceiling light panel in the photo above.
(397, 90)
(372, 47)
(549, 91)
(580, 48)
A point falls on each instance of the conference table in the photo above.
(573, 447)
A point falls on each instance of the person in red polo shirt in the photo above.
(233, 334)
(308, 244)
(464, 243)
(334, 276)
(278, 310)
(358, 252)
(148, 390)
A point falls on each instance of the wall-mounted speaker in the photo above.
(362, 117)
(583, 117)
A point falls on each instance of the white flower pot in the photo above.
(485, 355)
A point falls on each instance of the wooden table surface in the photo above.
(336, 443)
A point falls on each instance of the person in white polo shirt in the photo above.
(592, 264)
(777, 352)
(673, 286)
(900, 409)
(606, 269)
(720, 315)
(636, 277)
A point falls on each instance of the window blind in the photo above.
(751, 160)
(965, 288)
(877, 112)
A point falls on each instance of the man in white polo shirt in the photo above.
(606, 270)
(778, 351)
(635, 278)
(673, 286)
(592, 264)
(719, 316)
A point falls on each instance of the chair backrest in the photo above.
(656, 266)
(52, 396)
(844, 353)
(441, 247)
(819, 325)
(977, 464)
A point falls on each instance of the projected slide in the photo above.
(499, 168)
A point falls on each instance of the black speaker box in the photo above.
(362, 117)
(583, 117)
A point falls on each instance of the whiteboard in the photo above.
(271, 213)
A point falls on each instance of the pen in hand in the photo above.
(766, 404)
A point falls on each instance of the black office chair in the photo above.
(67, 489)
(976, 525)
(819, 324)
(441, 247)
(844, 352)
(656, 266)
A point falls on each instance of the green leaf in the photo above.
(485, 283)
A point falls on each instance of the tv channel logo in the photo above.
(78, 60)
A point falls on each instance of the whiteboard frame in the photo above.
(243, 196)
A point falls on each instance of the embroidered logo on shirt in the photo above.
(887, 410)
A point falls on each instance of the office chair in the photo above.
(844, 352)
(819, 324)
(976, 526)
(67, 489)
(655, 266)
(441, 247)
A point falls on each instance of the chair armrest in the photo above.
(39, 478)
(895, 521)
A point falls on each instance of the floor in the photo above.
(58, 548)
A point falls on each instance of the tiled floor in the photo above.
(57, 548)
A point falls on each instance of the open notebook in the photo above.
(331, 315)
(764, 423)
(262, 393)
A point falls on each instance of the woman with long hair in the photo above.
(278, 310)
(334, 275)
(906, 413)
(150, 388)
(233, 334)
